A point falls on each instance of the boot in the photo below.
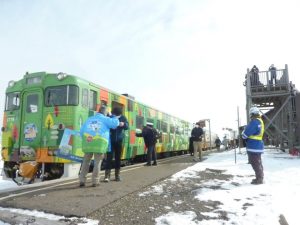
(117, 174)
(107, 176)
(257, 181)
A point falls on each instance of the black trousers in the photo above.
(116, 149)
(151, 154)
(256, 163)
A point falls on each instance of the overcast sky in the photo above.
(187, 58)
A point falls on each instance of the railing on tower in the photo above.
(267, 81)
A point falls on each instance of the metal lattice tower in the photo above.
(274, 95)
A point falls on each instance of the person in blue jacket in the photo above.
(253, 134)
(116, 137)
(95, 140)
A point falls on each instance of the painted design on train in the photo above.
(43, 106)
(49, 122)
(30, 132)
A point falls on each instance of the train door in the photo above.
(31, 125)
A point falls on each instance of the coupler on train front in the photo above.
(29, 171)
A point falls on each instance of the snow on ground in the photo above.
(244, 203)
(50, 217)
(5, 184)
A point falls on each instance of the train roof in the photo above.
(29, 77)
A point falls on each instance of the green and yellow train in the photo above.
(39, 107)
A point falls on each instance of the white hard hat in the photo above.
(149, 124)
(254, 110)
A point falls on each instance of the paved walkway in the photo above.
(67, 199)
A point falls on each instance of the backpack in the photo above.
(153, 135)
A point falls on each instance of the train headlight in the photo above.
(61, 76)
(11, 83)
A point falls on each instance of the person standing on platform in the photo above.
(150, 136)
(225, 142)
(218, 143)
(273, 79)
(253, 134)
(95, 139)
(116, 138)
(196, 134)
(254, 78)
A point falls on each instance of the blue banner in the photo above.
(65, 150)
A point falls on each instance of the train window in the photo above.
(164, 127)
(93, 100)
(172, 129)
(12, 101)
(85, 98)
(73, 93)
(150, 121)
(158, 124)
(32, 103)
(34, 80)
(179, 130)
(139, 122)
(61, 95)
(130, 105)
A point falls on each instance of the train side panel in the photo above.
(41, 107)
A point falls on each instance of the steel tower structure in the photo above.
(276, 97)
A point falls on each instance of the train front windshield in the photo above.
(12, 101)
(61, 95)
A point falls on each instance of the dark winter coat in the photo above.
(150, 136)
(197, 133)
(117, 134)
(218, 142)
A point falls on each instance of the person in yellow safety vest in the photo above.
(253, 134)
